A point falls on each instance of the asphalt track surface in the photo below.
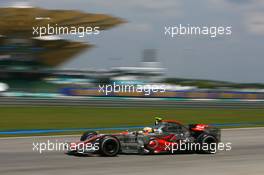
(131, 102)
(246, 158)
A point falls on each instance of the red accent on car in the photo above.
(199, 127)
(162, 145)
(153, 143)
(124, 133)
(169, 137)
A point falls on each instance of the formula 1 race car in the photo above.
(166, 136)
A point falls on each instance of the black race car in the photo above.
(167, 136)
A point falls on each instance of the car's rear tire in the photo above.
(87, 135)
(210, 141)
(109, 146)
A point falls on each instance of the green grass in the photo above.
(87, 117)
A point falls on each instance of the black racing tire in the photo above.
(87, 135)
(209, 140)
(109, 146)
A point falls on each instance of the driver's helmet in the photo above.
(148, 130)
(157, 120)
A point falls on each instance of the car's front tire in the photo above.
(109, 146)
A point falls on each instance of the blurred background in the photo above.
(132, 49)
(49, 85)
